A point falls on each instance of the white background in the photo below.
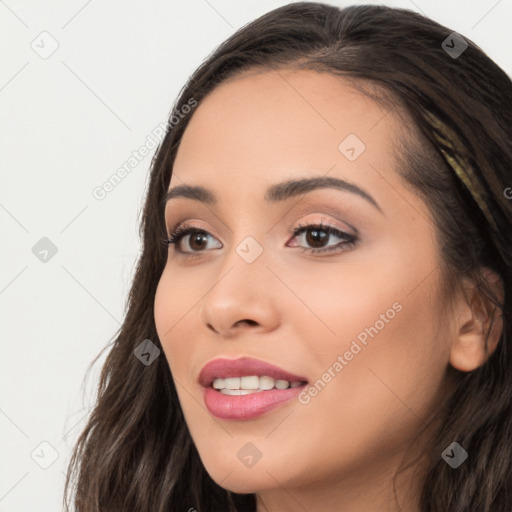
(67, 123)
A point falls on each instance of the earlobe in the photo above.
(480, 326)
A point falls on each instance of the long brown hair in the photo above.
(136, 452)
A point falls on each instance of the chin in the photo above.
(243, 480)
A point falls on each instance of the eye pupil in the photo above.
(200, 238)
(317, 235)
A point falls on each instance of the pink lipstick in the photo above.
(246, 388)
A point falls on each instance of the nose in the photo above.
(241, 298)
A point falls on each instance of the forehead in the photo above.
(268, 126)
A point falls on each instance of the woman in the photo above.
(319, 318)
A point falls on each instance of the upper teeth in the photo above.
(252, 382)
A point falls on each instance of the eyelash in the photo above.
(349, 240)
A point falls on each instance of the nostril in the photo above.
(250, 322)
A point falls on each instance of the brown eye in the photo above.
(197, 239)
(316, 236)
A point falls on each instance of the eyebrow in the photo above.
(277, 192)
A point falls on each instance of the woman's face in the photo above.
(361, 322)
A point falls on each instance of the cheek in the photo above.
(177, 293)
(374, 378)
(174, 305)
(373, 341)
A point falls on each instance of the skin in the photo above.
(340, 450)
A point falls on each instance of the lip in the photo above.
(253, 405)
(246, 407)
(243, 366)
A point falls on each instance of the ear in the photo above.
(479, 324)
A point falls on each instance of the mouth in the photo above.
(246, 388)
